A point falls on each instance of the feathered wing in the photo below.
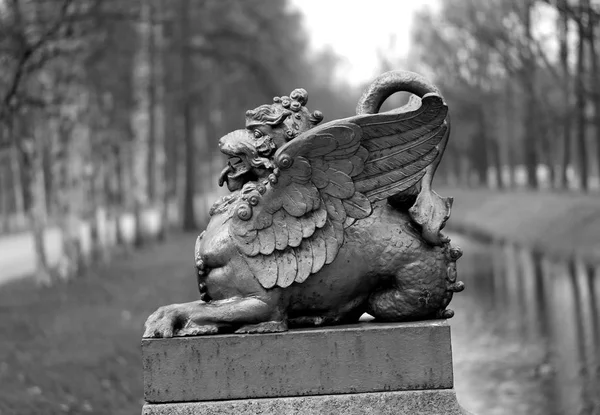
(327, 178)
(400, 146)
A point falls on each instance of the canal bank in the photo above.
(564, 225)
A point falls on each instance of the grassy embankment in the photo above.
(75, 348)
(558, 224)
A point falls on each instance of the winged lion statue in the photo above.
(326, 222)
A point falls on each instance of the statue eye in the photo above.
(258, 134)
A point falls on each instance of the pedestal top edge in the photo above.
(361, 326)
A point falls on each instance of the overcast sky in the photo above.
(357, 29)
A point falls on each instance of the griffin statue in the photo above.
(326, 222)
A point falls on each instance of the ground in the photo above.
(75, 348)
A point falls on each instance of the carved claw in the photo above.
(457, 287)
(455, 253)
(266, 327)
(163, 321)
(446, 313)
(193, 329)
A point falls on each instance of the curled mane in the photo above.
(268, 115)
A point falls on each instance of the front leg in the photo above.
(246, 314)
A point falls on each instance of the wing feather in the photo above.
(345, 166)
(340, 185)
(319, 252)
(383, 192)
(293, 200)
(424, 143)
(266, 238)
(320, 215)
(331, 243)
(358, 161)
(319, 177)
(398, 159)
(280, 230)
(264, 269)
(286, 268)
(308, 225)
(358, 206)
(335, 208)
(304, 257)
(414, 167)
(294, 231)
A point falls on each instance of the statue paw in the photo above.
(265, 327)
(163, 322)
(193, 329)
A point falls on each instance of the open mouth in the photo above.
(236, 167)
(236, 173)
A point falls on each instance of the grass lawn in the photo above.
(75, 348)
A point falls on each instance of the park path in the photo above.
(17, 254)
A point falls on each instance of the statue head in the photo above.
(268, 127)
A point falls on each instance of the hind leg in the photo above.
(421, 289)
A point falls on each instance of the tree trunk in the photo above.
(563, 23)
(151, 85)
(581, 104)
(71, 138)
(141, 118)
(496, 159)
(171, 132)
(4, 191)
(593, 21)
(189, 218)
(511, 134)
(159, 63)
(31, 149)
(528, 77)
(480, 150)
(17, 185)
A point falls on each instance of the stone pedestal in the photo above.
(368, 368)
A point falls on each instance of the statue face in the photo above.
(250, 152)
(268, 127)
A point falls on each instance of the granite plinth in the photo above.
(437, 402)
(354, 359)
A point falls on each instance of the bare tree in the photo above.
(595, 77)
(580, 97)
(189, 217)
(563, 33)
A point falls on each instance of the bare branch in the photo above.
(28, 50)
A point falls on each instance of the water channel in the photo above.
(526, 335)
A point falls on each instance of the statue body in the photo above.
(325, 223)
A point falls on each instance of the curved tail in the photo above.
(430, 210)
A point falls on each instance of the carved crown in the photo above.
(288, 112)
